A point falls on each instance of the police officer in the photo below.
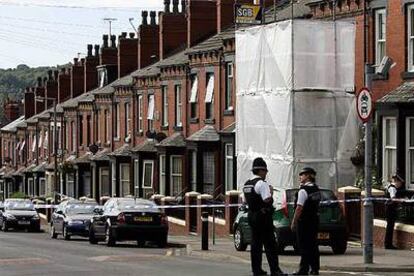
(394, 190)
(257, 193)
(306, 222)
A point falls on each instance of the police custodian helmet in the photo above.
(259, 164)
(307, 170)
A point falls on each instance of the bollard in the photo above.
(204, 231)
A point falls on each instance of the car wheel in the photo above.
(4, 227)
(239, 243)
(339, 246)
(66, 235)
(140, 243)
(92, 238)
(53, 233)
(109, 239)
(162, 242)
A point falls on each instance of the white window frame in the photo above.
(73, 128)
(229, 186)
(73, 184)
(163, 175)
(378, 40)
(125, 181)
(410, 38)
(178, 106)
(229, 85)
(146, 162)
(127, 119)
(100, 180)
(164, 91)
(172, 175)
(117, 123)
(30, 186)
(386, 175)
(108, 127)
(409, 149)
(42, 186)
(194, 89)
(150, 112)
(209, 99)
(140, 114)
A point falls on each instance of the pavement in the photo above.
(352, 261)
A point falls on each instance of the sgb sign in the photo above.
(364, 104)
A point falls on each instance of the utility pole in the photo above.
(110, 20)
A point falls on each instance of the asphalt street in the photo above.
(24, 253)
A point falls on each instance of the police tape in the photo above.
(322, 203)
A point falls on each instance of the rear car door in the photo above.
(99, 220)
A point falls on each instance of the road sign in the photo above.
(248, 14)
(364, 104)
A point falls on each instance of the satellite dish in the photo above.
(93, 148)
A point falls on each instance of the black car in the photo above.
(19, 214)
(72, 218)
(129, 219)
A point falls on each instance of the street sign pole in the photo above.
(368, 205)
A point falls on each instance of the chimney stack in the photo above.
(39, 91)
(96, 50)
(167, 6)
(148, 44)
(105, 41)
(113, 41)
(175, 6)
(127, 55)
(29, 103)
(90, 47)
(90, 74)
(109, 54)
(201, 21)
(77, 85)
(173, 31)
(51, 88)
(63, 85)
(56, 75)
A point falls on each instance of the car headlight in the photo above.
(10, 216)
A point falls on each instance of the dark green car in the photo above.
(332, 226)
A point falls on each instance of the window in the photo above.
(42, 186)
(87, 184)
(178, 106)
(380, 35)
(125, 179)
(73, 129)
(127, 119)
(389, 164)
(164, 91)
(209, 100)
(34, 143)
(103, 77)
(162, 174)
(229, 86)
(229, 166)
(40, 144)
(193, 179)
(46, 140)
(104, 181)
(193, 97)
(148, 173)
(140, 114)
(176, 175)
(81, 130)
(410, 37)
(410, 153)
(117, 126)
(150, 115)
(70, 185)
(30, 184)
(88, 130)
(108, 126)
(208, 172)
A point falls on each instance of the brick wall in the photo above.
(77, 75)
(201, 21)
(109, 52)
(63, 85)
(90, 72)
(127, 54)
(173, 31)
(148, 46)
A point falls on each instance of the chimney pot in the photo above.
(175, 6)
(153, 14)
(49, 73)
(167, 6)
(63, 70)
(113, 41)
(82, 61)
(131, 35)
(39, 82)
(75, 61)
(144, 17)
(105, 41)
(45, 80)
(183, 6)
(90, 47)
(124, 34)
(97, 50)
(56, 74)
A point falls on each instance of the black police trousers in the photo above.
(391, 215)
(263, 235)
(307, 239)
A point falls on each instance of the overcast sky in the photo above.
(51, 32)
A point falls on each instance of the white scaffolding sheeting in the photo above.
(292, 108)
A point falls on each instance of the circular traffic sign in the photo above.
(364, 104)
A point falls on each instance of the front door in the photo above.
(410, 153)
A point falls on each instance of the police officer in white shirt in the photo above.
(258, 195)
(305, 222)
(395, 190)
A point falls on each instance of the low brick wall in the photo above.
(177, 227)
(403, 234)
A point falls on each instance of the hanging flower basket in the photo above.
(358, 156)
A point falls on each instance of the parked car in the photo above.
(129, 219)
(332, 226)
(72, 218)
(19, 214)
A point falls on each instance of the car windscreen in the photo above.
(137, 205)
(19, 206)
(78, 209)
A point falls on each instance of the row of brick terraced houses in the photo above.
(139, 115)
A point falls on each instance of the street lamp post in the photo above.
(55, 144)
